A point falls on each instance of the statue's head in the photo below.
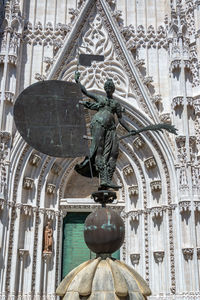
(109, 86)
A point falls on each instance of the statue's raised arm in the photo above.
(83, 89)
(104, 148)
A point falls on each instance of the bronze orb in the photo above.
(104, 231)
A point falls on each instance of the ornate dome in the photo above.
(100, 279)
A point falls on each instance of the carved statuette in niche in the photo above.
(48, 238)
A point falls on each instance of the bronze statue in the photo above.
(104, 148)
(48, 238)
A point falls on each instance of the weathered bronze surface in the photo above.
(104, 148)
(50, 119)
(104, 197)
(104, 231)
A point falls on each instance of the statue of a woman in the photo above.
(104, 148)
(48, 238)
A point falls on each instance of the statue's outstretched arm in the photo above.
(83, 89)
(121, 120)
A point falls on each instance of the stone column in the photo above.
(46, 256)
(22, 253)
(159, 256)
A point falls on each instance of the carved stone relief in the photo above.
(133, 190)
(138, 143)
(188, 253)
(150, 162)
(128, 170)
(159, 256)
(50, 188)
(48, 238)
(28, 183)
(156, 185)
(35, 159)
(135, 258)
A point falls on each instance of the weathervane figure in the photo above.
(104, 148)
(50, 118)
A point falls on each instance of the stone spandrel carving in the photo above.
(97, 41)
(48, 238)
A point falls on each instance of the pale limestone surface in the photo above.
(100, 279)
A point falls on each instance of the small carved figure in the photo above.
(48, 238)
(104, 148)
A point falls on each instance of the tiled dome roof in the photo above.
(103, 279)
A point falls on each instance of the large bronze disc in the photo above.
(51, 120)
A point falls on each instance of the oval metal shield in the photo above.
(50, 119)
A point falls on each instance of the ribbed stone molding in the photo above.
(100, 279)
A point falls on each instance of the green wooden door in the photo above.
(75, 250)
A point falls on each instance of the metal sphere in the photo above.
(104, 231)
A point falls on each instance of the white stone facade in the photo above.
(152, 53)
